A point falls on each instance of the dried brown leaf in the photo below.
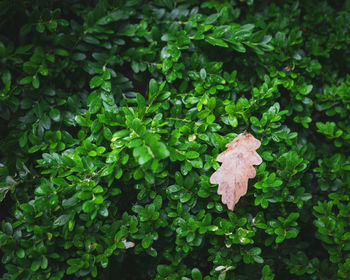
(236, 169)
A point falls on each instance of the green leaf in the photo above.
(61, 52)
(69, 202)
(26, 80)
(44, 262)
(140, 101)
(258, 259)
(94, 102)
(116, 15)
(146, 242)
(203, 73)
(142, 154)
(72, 269)
(88, 206)
(280, 238)
(45, 122)
(43, 70)
(35, 265)
(197, 163)
(8, 228)
(160, 150)
(255, 251)
(98, 189)
(40, 27)
(62, 220)
(120, 134)
(107, 170)
(216, 42)
(6, 77)
(91, 40)
(212, 18)
(107, 133)
(238, 47)
(55, 115)
(23, 140)
(196, 274)
(80, 120)
(96, 82)
(152, 90)
(96, 126)
(35, 81)
(164, 270)
(52, 24)
(34, 149)
(203, 193)
(115, 191)
(98, 199)
(78, 56)
(20, 253)
(107, 86)
(192, 154)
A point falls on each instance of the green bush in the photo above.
(112, 114)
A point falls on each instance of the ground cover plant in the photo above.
(112, 115)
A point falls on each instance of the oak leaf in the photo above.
(236, 169)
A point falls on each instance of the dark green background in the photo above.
(112, 114)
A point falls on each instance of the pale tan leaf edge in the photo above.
(237, 167)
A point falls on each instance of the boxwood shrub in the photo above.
(112, 114)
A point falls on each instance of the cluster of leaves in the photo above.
(112, 114)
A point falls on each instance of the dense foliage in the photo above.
(112, 114)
